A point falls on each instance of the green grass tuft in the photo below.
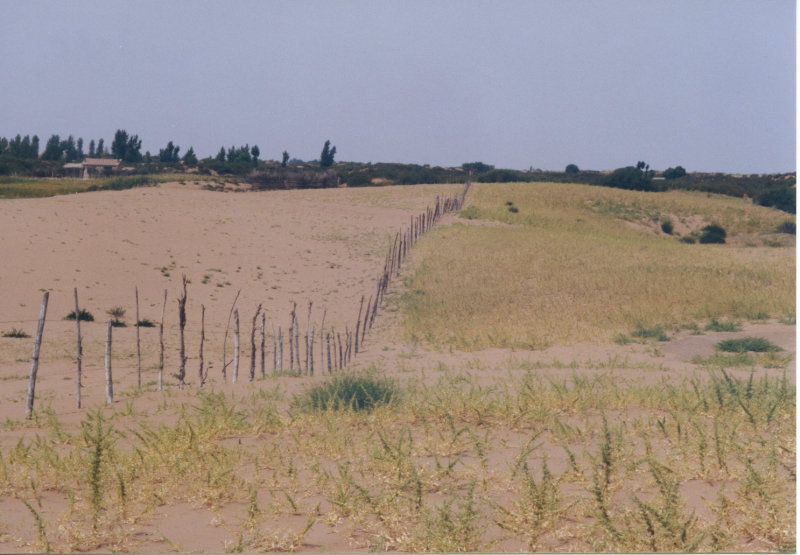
(356, 392)
(748, 344)
(729, 325)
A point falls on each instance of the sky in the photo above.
(709, 85)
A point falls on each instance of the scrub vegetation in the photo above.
(578, 263)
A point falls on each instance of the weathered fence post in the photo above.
(308, 322)
(366, 318)
(235, 345)
(80, 347)
(263, 341)
(341, 358)
(311, 353)
(203, 376)
(358, 322)
(253, 345)
(328, 340)
(321, 343)
(225, 339)
(297, 344)
(138, 346)
(291, 341)
(161, 341)
(109, 379)
(37, 345)
(181, 375)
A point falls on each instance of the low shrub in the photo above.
(571, 168)
(350, 391)
(666, 227)
(358, 179)
(783, 198)
(470, 213)
(631, 179)
(787, 227)
(16, 333)
(84, 315)
(513, 209)
(747, 344)
(145, 323)
(656, 332)
(674, 173)
(713, 234)
(688, 239)
(716, 325)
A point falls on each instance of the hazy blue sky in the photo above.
(709, 85)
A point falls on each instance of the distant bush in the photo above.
(745, 344)
(20, 334)
(84, 315)
(513, 209)
(656, 332)
(477, 167)
(688, 239)
(674, 173)
(783, 198)
(355, 392)
(502, 176)
(145, 323)
(666, 227)
(787, 227)
(716, 325)
(571, 168)
(713, 234)
(358, 179)
(631, 179)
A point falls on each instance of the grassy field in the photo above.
(569, 268)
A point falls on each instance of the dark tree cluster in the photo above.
(169, 155)
(126, 148)
(20, 147)
(477, 167)
(326, 158)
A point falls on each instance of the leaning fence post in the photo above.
(35, 359)
(80, 347)
(109, 379)
(235, 344)
(203, 375)
(263, 342)
(328, 339)
(311, 353)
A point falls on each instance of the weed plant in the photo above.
(721, 325)
(349, 391)
(747, 344)
(16, 333)
(84, 315)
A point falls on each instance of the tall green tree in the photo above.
(101, 151)
(328, 153)
(91, 148)
(79, 144)
(220, 155)
(190, 158)
(285, 159)
(70, 149)
(53, 149)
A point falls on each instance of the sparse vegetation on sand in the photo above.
(596, 463)
(571, 269)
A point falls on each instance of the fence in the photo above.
(336, 350)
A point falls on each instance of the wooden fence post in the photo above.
(161, 341)
(366, 318)
(109, 379)
(263, 341)
(235, 345)
(181, 375)
(341, 358)
(358, 322)
(80, 347)
(322, 343)
(225, 339)
(253, 346)
(328, 339)
(37, 345)
(203, 376)
(138, 345)
(311, 353)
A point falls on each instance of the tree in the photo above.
(119, 146)
(255, 152)
(477, 167)
(101, 151)
(80, 149)
(70, 150)
(571, 168)
(221, 155)
(34, 152)
(126, 148)
(169, 155)
(631, 178)
(285, 159)
(674, 173)
(326, 158)
(53, 149)
(190, 159)
(91, 148)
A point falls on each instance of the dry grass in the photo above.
(570, 272)
(524, 462)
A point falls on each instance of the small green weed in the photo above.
(655, 332)
(84, 315)
(717, 325)
(18, 333)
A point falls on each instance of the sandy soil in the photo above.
(326, 247)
